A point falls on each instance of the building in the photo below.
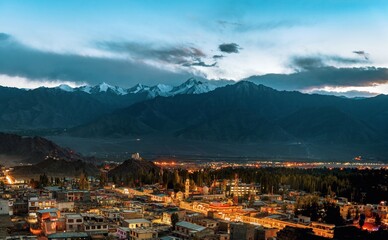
(74, 196)
(95, 224)
(166, 217)
(266, 233)
(242, 231)
(187, 230)
(143, 234)
(130, 214)
(74, 222)
(6, 207)
(243, 189)
(65, 206)
(123, 232)
(137, 223)
(47, 220)
(38, 203)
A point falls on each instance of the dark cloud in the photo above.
(303, 63)
(19, 60)
(181, 55)
(229, 47)
(307, 63)
(199, 63)
(348, 94)
(324, 77)
(363, 54)
(218, 56)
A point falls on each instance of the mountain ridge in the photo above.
(242, 112)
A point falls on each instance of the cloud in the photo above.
(363, 54)
(324, 77)
(22, 82)
(229, 47)
(225, 23)
(304, 63)
(19, 60)
(349, 94)
(259, 26)
(199, 63)
(186, 56)
(218, 56)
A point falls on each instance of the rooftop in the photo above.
(48, 210)
(137, 220)
(190, 226)
(66, 235)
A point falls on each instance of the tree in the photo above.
(348, 215)
(332, 214)
(83, 181)
(174, 219)
(361, 222)
(378, 220)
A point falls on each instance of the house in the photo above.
(74, 222)
(187, 230)
(136, 223)
(47, 220)
(143, 234)
(38, 203)
(6, 207)
(123, 232)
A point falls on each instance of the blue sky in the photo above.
(126, 42)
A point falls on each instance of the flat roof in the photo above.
(190, 226)
(68, 235)
(47, 210)
(137, 220)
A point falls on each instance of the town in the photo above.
(169, 202)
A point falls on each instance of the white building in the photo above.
(6, 207)
(137, 223)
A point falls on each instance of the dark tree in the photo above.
(174, 219)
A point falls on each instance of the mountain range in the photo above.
(65, 107)
(244, 114)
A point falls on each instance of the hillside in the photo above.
(56, 168)
(135, 170)
(246, 112)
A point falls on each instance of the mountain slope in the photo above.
(244, 112)
(45, 108)
(32, 149)
(64, 107)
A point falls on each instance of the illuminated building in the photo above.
(187, 188)
(37, 203)
(47, 220)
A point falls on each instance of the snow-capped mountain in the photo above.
(191, 86)
(104, 87)
(65, 87)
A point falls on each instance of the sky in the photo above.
(47, 43)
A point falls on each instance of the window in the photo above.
(79, 220)
(70, 220)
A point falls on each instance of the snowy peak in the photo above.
(65, 87)
(104, 87)
(138, 88)
(193, 86)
